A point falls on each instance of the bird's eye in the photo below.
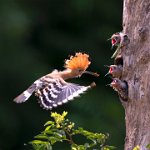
(116, 38)
(116, 81)
(114, 68)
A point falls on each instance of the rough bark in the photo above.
(136, 71)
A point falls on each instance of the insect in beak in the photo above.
(92, 73)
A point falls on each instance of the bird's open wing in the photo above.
(56, 94)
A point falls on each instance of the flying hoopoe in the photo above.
(53, 90)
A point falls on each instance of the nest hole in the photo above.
(125, 98)
(118, 60)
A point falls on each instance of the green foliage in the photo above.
(136, 147)
(148, 146)
(61, 130)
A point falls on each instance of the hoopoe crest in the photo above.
(52, 89)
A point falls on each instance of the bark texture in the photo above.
(136, 71)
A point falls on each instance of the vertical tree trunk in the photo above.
(136, 71)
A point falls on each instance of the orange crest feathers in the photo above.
(79, 61)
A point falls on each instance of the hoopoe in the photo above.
(120, 40)
(115, 71)
(53, 90)
(121, 87)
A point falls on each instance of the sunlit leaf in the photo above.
(48, 123)
(110, 147)
(41, 136)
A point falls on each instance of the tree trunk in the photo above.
(136, 71)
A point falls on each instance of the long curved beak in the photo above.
(108, 84)
(112, 46)
(107, 66)
(106, 74)
(92, 73)
(109, 39)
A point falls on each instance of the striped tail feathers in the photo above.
(38, 84)
(57, 94)
(26, 94)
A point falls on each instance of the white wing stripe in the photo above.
(75, 94)
(27, 94)
(50, 99)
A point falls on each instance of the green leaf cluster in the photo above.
(148, 146)
(63, 130)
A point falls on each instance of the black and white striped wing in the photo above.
(56, 94)
(38, 84)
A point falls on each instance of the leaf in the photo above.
(136, 147)
(49, 123)
(41, 145)
(41, 136)
(148, 146)
(77, 147)
(37, 142)
(54, 139)
(110, 147)
(86, 145)
(81, 147)
(74, 147)
(58, 135)
(48, 132)
(47, 128)
(62, 132)
(49, 147)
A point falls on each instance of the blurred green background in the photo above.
(35, 38)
